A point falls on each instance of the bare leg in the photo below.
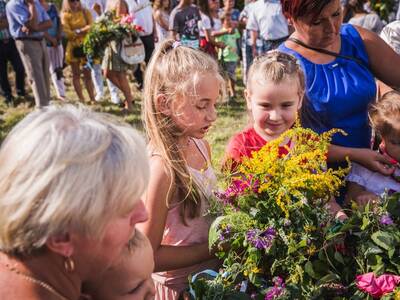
(87, 77)
(76, 81)
(120, 80)
(232, 87)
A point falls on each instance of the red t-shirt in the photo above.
(242, 145)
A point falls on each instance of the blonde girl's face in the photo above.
(195, 112)
(274, 106)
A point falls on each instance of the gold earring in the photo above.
(69, 264)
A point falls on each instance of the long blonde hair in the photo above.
(171, 71)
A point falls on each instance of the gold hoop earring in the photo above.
(69, 264)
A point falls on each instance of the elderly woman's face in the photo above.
(117, 233)
(323, 30)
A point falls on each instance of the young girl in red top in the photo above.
(274, 95)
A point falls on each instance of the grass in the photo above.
(231, 118)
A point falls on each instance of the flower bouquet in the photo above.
(107, 29)
(374, 234)
(282, 242)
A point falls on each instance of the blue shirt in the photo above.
(18, 15)
(55, 20)
(338, 93)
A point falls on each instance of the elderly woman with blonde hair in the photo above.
(70, 188)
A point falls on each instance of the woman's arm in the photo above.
(65, 21)
(158, 18)
(368, 158)
(166, 257)
(384, 61)
(88, 20)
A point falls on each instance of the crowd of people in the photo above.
(74, 184)
(52, 38)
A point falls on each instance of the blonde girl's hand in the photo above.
(374, 161)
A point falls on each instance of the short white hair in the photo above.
(391, 35)
(67, 168)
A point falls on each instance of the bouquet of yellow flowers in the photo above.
(281, 239)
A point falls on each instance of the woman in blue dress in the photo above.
(341, 63)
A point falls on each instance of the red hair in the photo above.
(300, 8)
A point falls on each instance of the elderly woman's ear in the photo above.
(61, 244)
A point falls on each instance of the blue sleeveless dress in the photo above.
(338, 93)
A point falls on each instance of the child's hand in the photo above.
(374, 161)
(336, 210)
(366, 197)
(341, 216)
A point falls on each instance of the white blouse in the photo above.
(372, 181)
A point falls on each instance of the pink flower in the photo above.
(127, 19)
(377, 286)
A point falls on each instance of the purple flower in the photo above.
(386, 220)
(261, 239)
(276, 290)
(225, 233)
(238, 187)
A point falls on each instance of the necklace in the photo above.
(41, 283)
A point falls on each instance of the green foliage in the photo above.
(383, 7)
(262, 241)
(107, 29)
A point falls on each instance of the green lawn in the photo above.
(231, 118)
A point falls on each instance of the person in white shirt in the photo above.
(143, 13)
(246, 44)
(267, 20)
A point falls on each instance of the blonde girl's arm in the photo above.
(370, 159)
(166, 257)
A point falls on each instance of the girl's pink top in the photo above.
(176, 233)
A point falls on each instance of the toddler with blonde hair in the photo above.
(366, 185)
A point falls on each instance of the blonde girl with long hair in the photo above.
(181, 88)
